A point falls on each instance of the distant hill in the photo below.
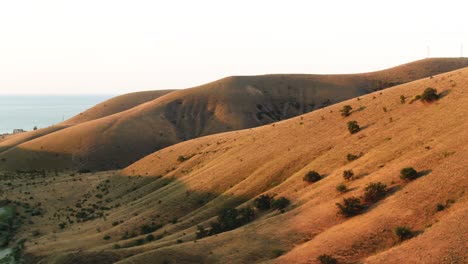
(116, 140)
(174, 192)
(106, 108)
(116, 105)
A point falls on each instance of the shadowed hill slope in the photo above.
(175, 195)
(231, 103)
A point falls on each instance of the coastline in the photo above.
(24, 112)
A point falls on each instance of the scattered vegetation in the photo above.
(228, 219)
(280, 203)
(429, 95)
(374, 191)
(7, 227)
(402, 99)
(341, 188)
(348, 174)
(346, 111)
(351, 157)
(146, 229)
(440, 207)
(202, 232)
(312, 176)
(403, 232)
(149, 238)
(353, 127)
(263, 202)
(351, 206)
(408, 174)
(327, 259)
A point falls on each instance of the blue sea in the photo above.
(27, 111)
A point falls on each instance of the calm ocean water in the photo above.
(27, 111)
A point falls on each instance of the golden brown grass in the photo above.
(231, 169)
(107, 137)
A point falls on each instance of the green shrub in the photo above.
(280, 203)
(228, 219)
(429, 95)
(440, 207)
(341, 188)
(351, 157)
(374, 191)
(146, 229)
(346, 111)
(403, 232)
(312, 176)
(263, 202)
(246, 215)
(327, 259)
(106, 237)
(408, 173)
(353, 127)
(348, 174)
(351, 206)
(181, 158)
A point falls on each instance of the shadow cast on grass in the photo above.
(444, 93)
(424, 173)
(171, 210)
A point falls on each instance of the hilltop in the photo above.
(108, 217)
(115, 105)
(114, 137)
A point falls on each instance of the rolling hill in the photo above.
(116, 105)
(100, 139)
(106, 108)
(151, 211)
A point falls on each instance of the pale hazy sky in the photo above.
(112, 46)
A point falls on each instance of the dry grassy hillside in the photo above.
(149, 212)
(115, 105)
(106, 108)
(231, 103)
